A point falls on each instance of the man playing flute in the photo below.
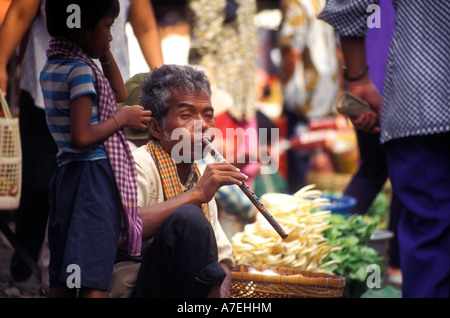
(185, 253)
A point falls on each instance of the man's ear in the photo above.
(154, 128)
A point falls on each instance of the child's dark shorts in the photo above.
(84, 224)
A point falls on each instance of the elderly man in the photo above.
(186, 253)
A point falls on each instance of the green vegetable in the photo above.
(352, 235)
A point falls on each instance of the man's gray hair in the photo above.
(156, 90)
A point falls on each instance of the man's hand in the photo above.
(217, 175)
(366, 90)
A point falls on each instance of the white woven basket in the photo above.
(10, 159)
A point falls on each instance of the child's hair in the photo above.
(90, 11)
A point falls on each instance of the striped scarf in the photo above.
(117, 148)
(168, 172)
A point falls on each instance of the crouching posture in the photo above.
(185, 252)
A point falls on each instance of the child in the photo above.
(93, 194)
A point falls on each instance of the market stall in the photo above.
(326, 254)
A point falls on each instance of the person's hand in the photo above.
(217, 175)
(106, 58)
(133, 116)
(367, 122)
(366, 90)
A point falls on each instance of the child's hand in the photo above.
(133, 116)
(106, 58)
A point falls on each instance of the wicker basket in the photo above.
(290, 283)
(10, 159)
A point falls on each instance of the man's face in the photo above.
(189, 116)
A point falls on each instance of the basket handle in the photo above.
(5, 106)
